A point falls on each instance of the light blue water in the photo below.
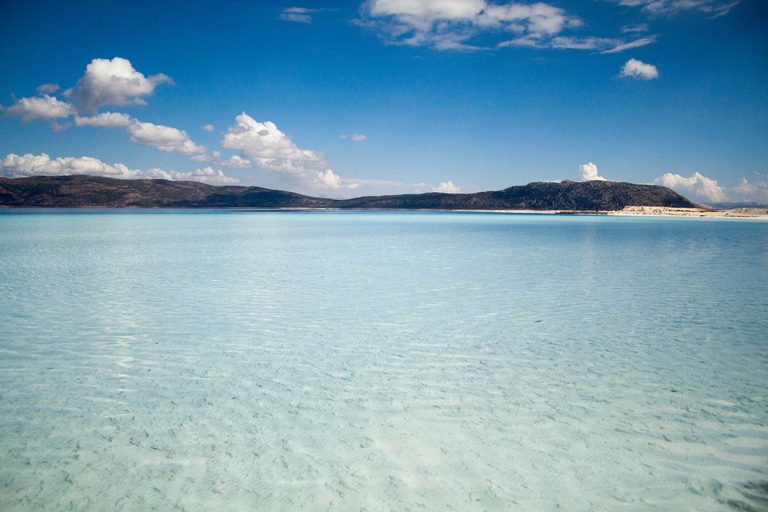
(382, 361)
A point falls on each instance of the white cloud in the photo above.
(637, 43)
(714, 8)
(15, 166)
(298, 14)
(113, 82)
(599, 44)
(632, 29)
(269, 148)
(756, 192)
(447, 187)
(208, 127)
(157, 136)
(45, 107)
(211, 176)
(264, 145)
(163, 138)
(354, 137)
(235, 161)
(634, 68)
(697, 185)
(329, 179)
(588, 172)
(47, 88)
(105, 120)
(451, 24)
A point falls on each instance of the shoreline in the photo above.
(648, 211)
(629, 211)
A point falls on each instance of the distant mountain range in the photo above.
(93, 191)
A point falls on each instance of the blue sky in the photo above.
(387, 96)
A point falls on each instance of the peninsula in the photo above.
(98, 192)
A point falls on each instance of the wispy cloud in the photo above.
(459, 24)
(598, 44)
(713, 8)
(637, 43)
(354, 137)
(47, 88)
(451, 24)
(634, 29)
(298, 14)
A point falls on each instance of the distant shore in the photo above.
(660, 211)
(651, 211)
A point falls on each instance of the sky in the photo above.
(350, 98)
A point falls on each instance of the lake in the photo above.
(215, 360)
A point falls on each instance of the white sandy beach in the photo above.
(651, 211)
(748, 213)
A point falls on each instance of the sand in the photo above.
(750, 213)
(650, 211)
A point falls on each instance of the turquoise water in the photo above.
(382, 361)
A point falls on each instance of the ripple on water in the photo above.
(382, 362)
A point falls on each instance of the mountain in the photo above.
(93, 191)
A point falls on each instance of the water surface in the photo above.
(381, 361)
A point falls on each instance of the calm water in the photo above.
(382, 361)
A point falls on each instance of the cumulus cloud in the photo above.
(447, 187)
(163, 138)
(298, 14)
(47, 88)
(634, 68)
(588, 172)
(15, 166)
(697, 185)
(157, 136)
(268, 147)
(44, 107)
(354, 137)
(113, 82)
(753, 192)
(263, 145)
(713, 8)
(105, 120)
(208, 127)
(329, 179)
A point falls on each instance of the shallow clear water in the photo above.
(382, 361)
